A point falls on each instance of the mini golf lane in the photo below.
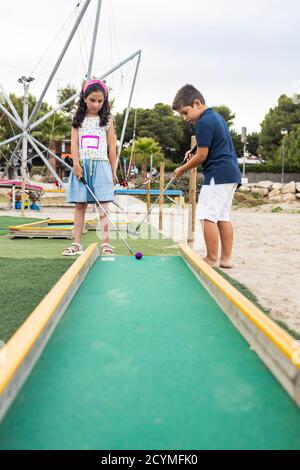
(144, 359)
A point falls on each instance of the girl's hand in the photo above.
(115, 178)
(77, 170)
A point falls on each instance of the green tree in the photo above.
(63, 95)
(285, 115)
(227, 114)
(144, 148)
(291, 143)
(159, 123)
(253, 143)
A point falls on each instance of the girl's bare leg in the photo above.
(79, 216)
(104, 222)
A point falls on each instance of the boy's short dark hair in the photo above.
(186, 97)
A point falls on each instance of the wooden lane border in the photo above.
(20, 354)
(274, 346)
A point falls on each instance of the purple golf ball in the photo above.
(139, 255)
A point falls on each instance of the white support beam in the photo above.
(65, 48)
(19, 124)
(10, 104)
(11, 139)
(128, 109)
(94, 40)
(48, 165)
(73, 97)
(52, 153)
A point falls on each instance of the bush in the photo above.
(36, 170)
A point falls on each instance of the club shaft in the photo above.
(153, 205)
(104, 212)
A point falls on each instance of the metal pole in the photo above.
(11, 139)
(128, 109)
(48, 165)
(39, 102)
(11, 105)
(244, 162)
(51, 153)
(282, 160)
(12, 156)
(24, 144)
(53, 111)
(94, 40)
(72, 98)
(10, 116)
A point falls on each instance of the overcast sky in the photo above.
(242, 54)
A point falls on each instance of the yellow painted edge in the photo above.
(54, 191)
(20, 345)
(49, 221)
(44, 228)
(279, 337)
(18, 227)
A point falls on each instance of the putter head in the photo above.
(134, 233)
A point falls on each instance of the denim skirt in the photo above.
(98, 175)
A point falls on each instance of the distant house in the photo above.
(250, 160)
(63, 150)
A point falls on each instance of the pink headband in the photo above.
(95, 82)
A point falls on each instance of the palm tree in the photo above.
(144, 148)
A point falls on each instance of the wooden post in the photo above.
(192, 201)
(148, 195)
(14, 197)
(161, 199)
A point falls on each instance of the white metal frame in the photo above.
(28, 123)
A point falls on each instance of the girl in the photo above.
(92, 136)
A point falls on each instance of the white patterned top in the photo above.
(92, 139)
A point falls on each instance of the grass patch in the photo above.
(277, 209)
(250, 296)
(151, 243)
(23, 284)
(248, 200)
(30, 268)
(7, 221)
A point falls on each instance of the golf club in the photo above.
(137, 255)
(169, 183)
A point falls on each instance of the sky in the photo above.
(240, 54)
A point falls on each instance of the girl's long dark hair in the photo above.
(104, 113)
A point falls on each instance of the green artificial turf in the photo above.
(144, 358)
(23, 284)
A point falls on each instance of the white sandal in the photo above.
(107, 249)
(74, 250)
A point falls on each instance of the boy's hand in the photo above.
(188, 156)
(178, 172)
(77, 170)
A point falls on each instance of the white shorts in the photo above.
(215, 202)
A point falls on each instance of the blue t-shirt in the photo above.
(221, 164)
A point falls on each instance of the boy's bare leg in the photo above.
(79, 215)
(211, 237)
(226, 235)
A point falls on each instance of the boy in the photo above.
(216, 154)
